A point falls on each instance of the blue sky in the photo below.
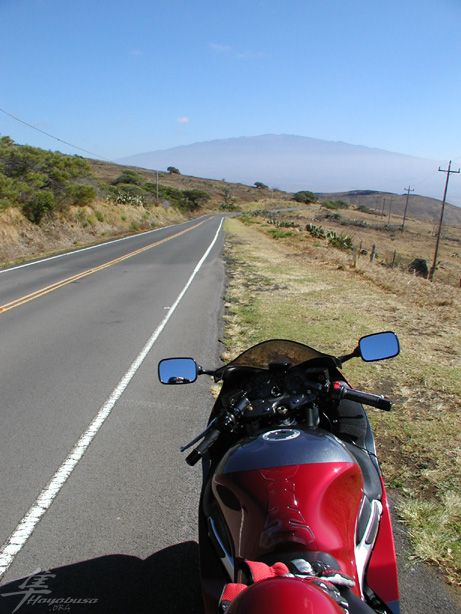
(119, 78)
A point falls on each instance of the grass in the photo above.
(393, 247)
(297, 290)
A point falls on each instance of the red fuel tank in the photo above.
(291, 490)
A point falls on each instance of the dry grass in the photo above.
(294, 289)
(21, 240)
(417, 241)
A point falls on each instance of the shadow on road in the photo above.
(166, 582)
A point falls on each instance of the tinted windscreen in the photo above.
(276, 350)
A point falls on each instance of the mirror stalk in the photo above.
(346, 357)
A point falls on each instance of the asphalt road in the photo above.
(121, 529)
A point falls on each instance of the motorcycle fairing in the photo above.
(382, 569)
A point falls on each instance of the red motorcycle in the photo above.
(293, 511)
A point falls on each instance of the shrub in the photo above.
(365, 209)
(173, 170)
(195, 198)
(335, 204)
(228, 207)
(41, 204)
(81, 194)
(260, 185)
(128, 177)
(304, 196)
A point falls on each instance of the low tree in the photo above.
(304, 196)
(173, 170)
(260, 185)
(195, 198)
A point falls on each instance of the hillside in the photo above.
(50, 201)
(419, 207)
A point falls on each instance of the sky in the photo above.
(118, 78)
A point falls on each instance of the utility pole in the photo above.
(382, 210)
(434, 264)
(157, 187)
(409, 189)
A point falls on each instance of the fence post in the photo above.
(373, 253)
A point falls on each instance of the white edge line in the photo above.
(85, 249)
(27, 525)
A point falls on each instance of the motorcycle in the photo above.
(293, 513)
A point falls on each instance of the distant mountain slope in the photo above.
(295, 163)
(419, 207)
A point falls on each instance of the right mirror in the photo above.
(379, 346)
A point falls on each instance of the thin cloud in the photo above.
(183, 120)
(136, 52)
(230, 52)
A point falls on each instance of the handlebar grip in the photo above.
(203, 446)
(193, 458)
(367, 399)
(343, 391)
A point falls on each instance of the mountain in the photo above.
(300, 163)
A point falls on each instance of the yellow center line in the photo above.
(64, 282)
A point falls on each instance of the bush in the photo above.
(365, 209)
(128, 177)
(41, 204)
(260, 185)
(228, 207)
(335, 204)
(173, 170)
(81, 195)
(304, 197)
(27, 173)
(195, 198)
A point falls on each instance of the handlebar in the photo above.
(203, 446)
(343, 391)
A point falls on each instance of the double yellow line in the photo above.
(64, 282)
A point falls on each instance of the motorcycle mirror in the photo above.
(379, 346)
(177, 370)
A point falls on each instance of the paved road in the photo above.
(61, 357)
(122, 528)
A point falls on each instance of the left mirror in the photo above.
(177, 371)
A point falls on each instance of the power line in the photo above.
(21, 121)
(434, 264)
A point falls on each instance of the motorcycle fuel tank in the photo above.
(290, 490)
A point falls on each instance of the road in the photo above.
(62, 355)
(112, 513)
